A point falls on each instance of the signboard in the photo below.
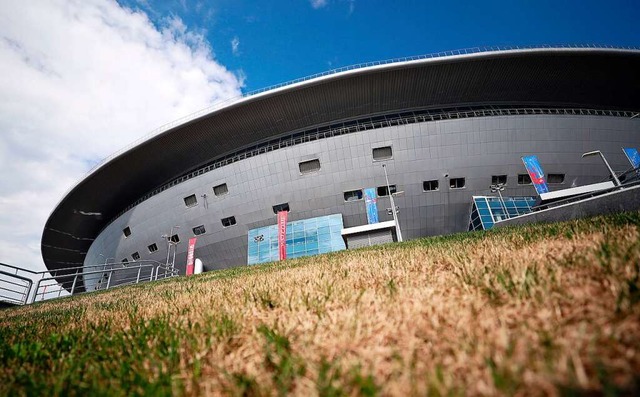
(371, 200)
(534, 169)
(633, 156)
(282, 234)
(190, 254)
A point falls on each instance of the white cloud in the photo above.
(80, 79)
(318, 3)
(235, 43)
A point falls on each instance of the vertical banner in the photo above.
(371, 200)
(190, 254)
(633, 156)
(534, 169)
(282, 234)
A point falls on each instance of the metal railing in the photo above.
(223, 103)
(20, 286)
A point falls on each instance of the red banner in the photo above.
(282, 234)
(190, 252)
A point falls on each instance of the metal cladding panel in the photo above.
(602, 79)
(258, 183)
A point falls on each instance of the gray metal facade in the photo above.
(595, 79)
(473, 148)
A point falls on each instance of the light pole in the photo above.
(169, 244)
(394, 212)
(595, 152)
(499, 187)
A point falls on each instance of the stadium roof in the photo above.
(592, 78)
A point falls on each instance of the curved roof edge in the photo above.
(337, 73)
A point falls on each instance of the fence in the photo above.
(20, 286)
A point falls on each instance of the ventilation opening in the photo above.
(383, 191)
(353, 195)
(135, 256)
(280, 207)
(498, 179)
(220, 190)
(310, 166)
(126, 231)
(555, 178)
(175, 239)
(430, 186)
(230, 221)
(198, 230)
(191, 201)
(456, 183)
(382, 153)
(152, 248)
(524, 179)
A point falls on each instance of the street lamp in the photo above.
(170, 243)
(595, 152)
(394, 211)
(499, 187)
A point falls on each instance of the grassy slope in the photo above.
(545, 308)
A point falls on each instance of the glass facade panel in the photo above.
(486, 210)
(305, 237)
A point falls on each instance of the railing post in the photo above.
(27, 291)
(109, 279)
(35, 292)
(73, 286)
(138, 277)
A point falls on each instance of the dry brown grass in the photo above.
(546, 310)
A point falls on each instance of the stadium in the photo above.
(446, 126)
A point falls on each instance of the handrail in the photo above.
(28, 286)
(21, 290)
(226, 102)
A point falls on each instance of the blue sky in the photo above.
(283, 40)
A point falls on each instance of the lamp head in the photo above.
(592, 153)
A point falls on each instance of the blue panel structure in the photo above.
(305, 237)
(486, 210)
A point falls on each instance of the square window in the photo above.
(383, 191)
(555, 178)
(230, 221)
(220, 190)
(307, 167)
(126, 231)
(353, 195)
(382, 153)
(190, 201)
(456, 183)
(152, 248)
(524, 179)
(198, 230)
(175, 238)
(498, 179)
(135, 256)
(280, 207)
(430, 186)
(125, 260)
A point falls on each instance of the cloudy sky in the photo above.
(81, 79)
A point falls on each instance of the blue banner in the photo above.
(534, 169)
(371, 199)
(633, 156)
